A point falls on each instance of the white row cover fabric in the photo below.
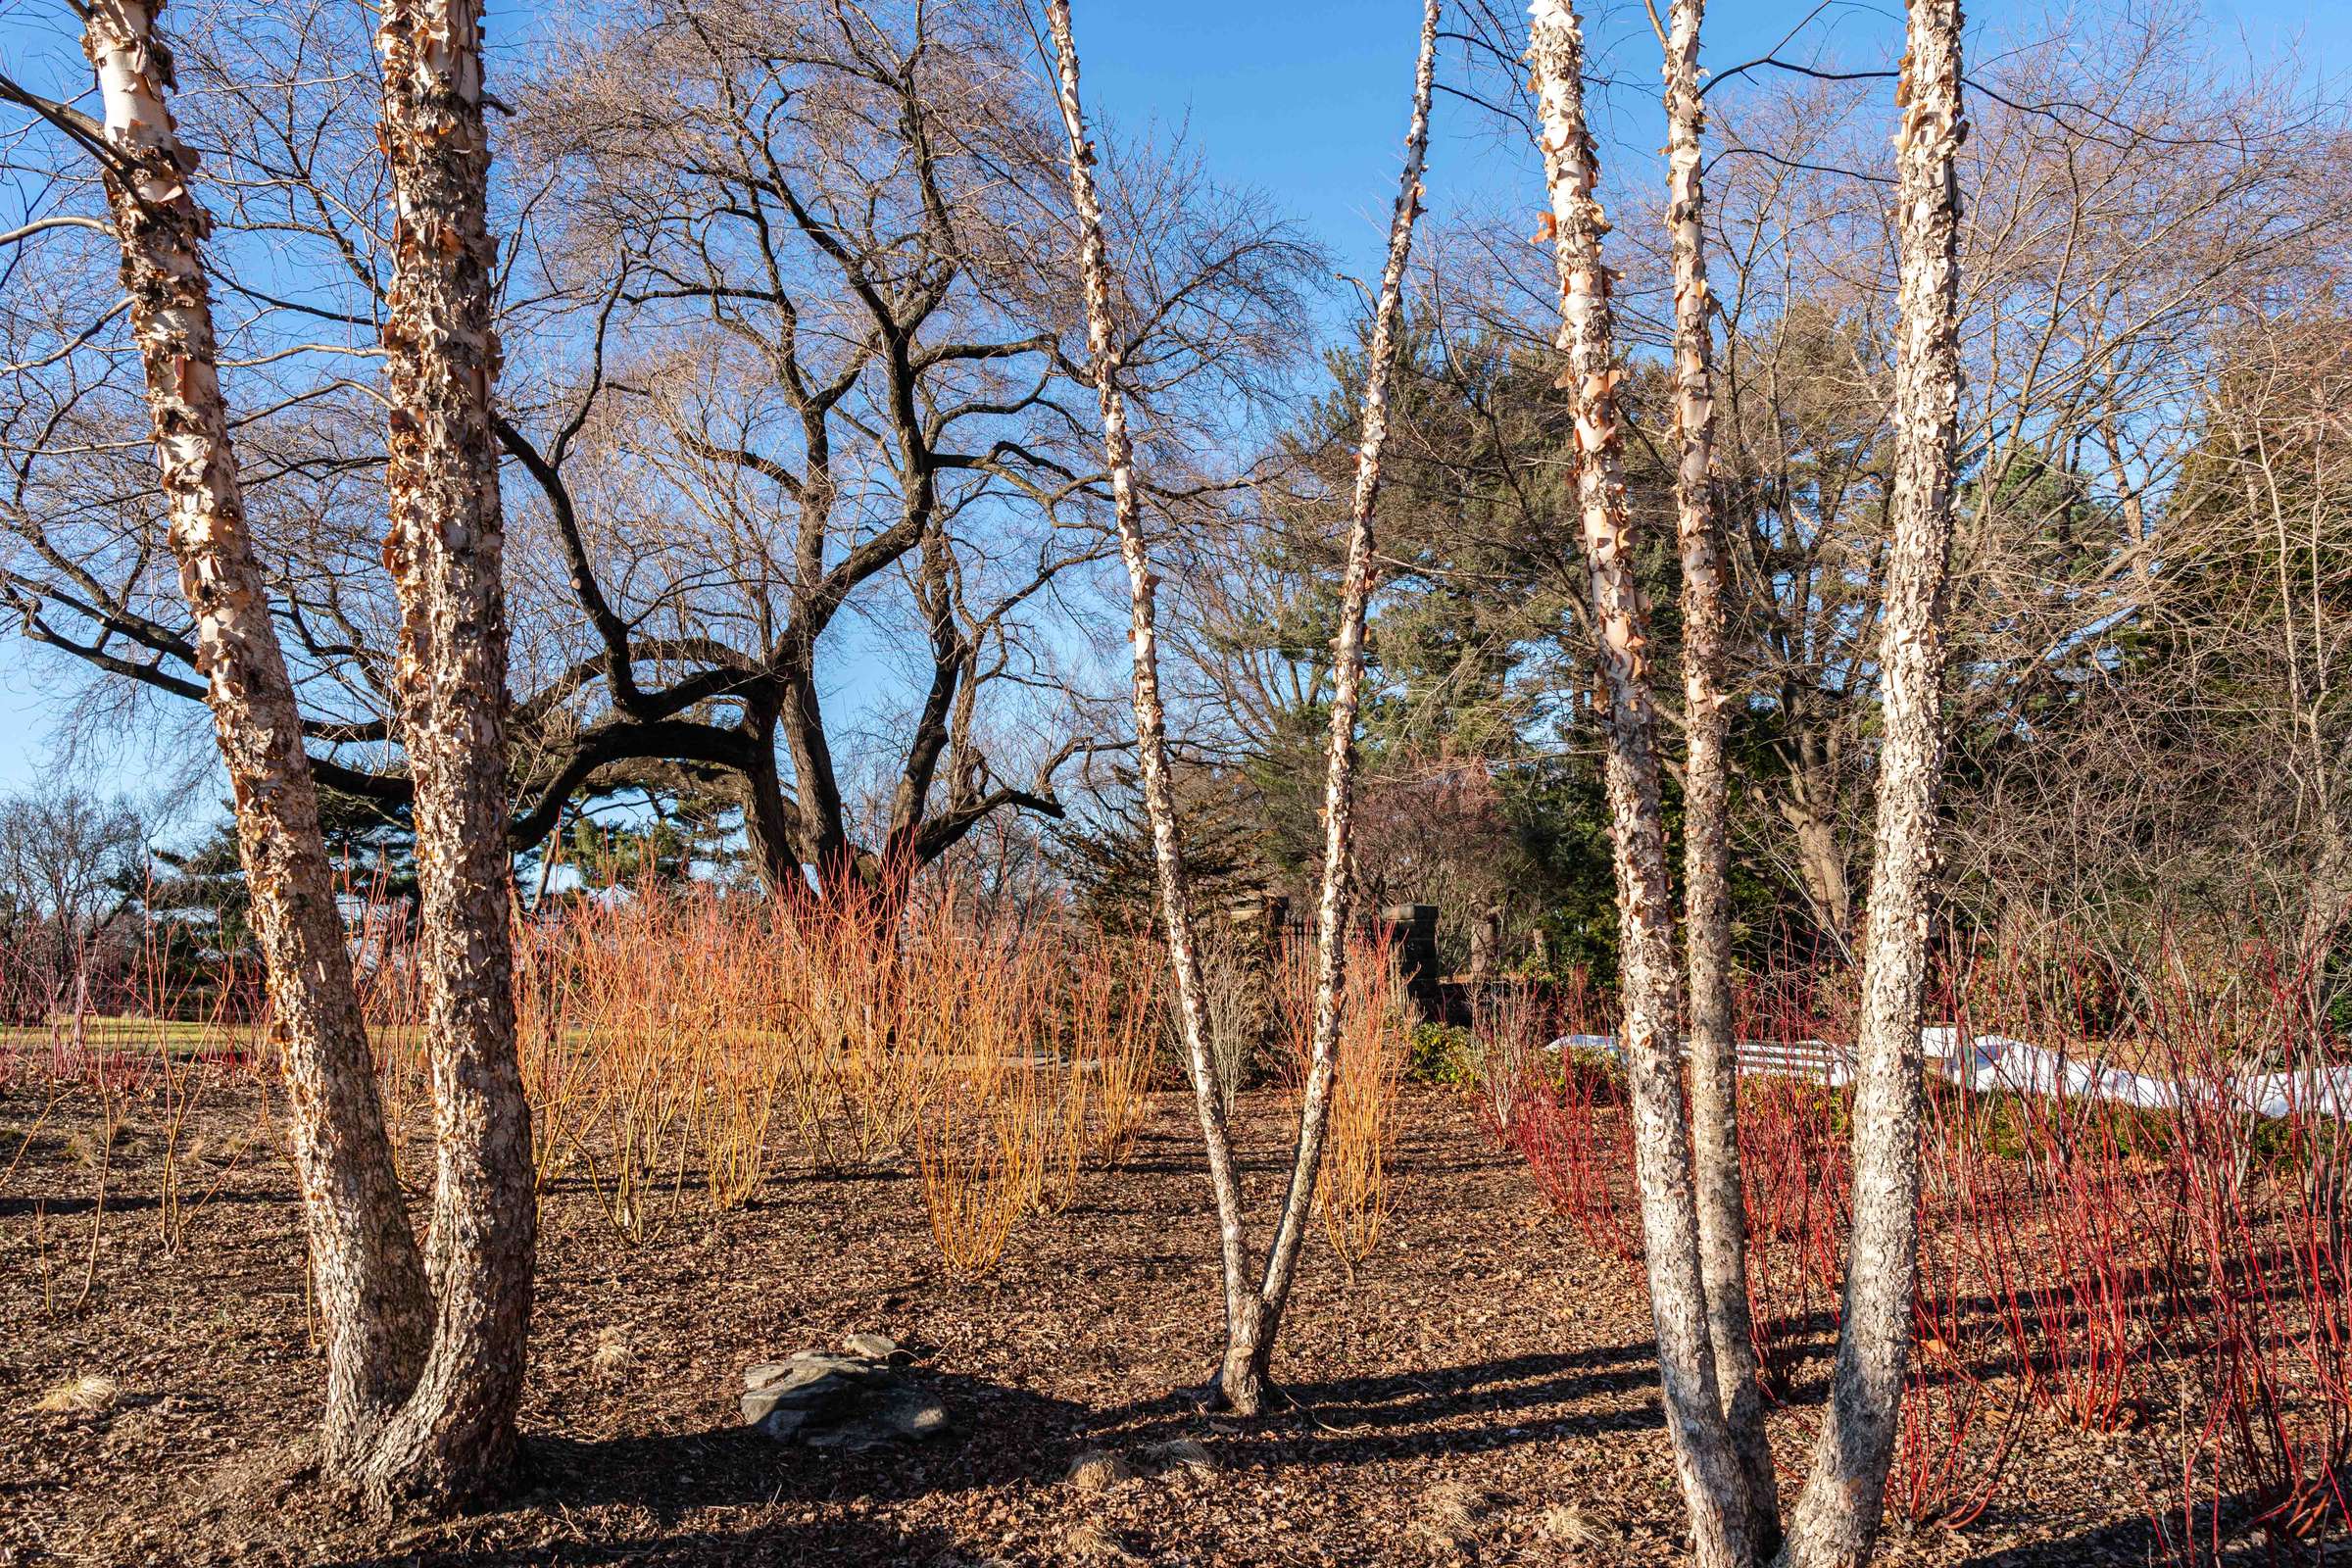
(1997, 1061)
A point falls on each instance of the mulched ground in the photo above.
(1483, 1392)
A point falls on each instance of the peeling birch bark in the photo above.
(364, 1258)
(1712, 1480)
(1252, 1309)
(1706, 819)
(1151, 717)
(454, 1437)
(1837, 1518)
(1346, 695)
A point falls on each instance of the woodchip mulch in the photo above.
(1481, 1391)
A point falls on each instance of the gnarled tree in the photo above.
(793, 485)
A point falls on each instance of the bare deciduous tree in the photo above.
(1706, 814)
(860, 639)
(1253, 1308)
(424, 1345)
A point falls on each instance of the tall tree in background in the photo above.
(408, 1422)
(1253, 1310)
(1706, 806)
(1713, 1482)
(1836, 1517)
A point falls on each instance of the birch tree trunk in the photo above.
(1151, 717)
(455, 1435)
(1712, 1478)
(1836, 1517)
(1333, 901)
(1252, 1309)
(1706, 822)
(364, 1258)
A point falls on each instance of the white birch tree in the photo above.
(1253, 1306)
(1709, 1470)
(1836, 1520)
(1686, 1226)
(1706, 811)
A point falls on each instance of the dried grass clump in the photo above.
(1091, 1540)
(86, 1395)
(1450, 1514)
(1099, 1470)
(1571, 1527)
(1181, 1456)
(612, 1357)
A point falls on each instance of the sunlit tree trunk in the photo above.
(1707, 822)
(1837, 1518)
(420, 1387)
(456, 1434)
(1332, 903)
(1712, 1481)
(1151, 717)
(1253, 1308)
(364, 1258)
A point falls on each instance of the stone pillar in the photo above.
(1486, 943)
(1254, 956)
(1413, 936)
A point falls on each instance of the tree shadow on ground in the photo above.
(773, 1540)
(1457, 1409)
(653, 1497)
(2138, 1541)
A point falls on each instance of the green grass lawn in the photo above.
(179, 1037)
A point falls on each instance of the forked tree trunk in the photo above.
(1837, 1518)
(1706, 819)
(1713, 1484)
(1347, 692)
(1253, 1308)
(455, 1435)
(363, 1258)
(1151, 717)
(422, 1382)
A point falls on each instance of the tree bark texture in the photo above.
(1706, 819)
(365, 1263)
(1837, 1518)
(1711, 1476)
(1253, 1307)
(455, 1435)
(1151, 717)
(1333, 900)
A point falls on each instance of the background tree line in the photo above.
(806, 532)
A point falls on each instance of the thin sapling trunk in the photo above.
(1706, 819)
(1253, 1307)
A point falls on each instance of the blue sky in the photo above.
(1306, 101)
